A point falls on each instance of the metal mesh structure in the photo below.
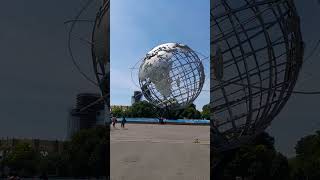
(91, 26)
(171, 76)
(101, 52)
(256, 55)
(101, 47)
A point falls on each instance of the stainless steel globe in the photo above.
(256, 56)
(101, 52)
(171, 76)
(101, 47)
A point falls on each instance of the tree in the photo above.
(170, 113)
(206, 111)
(143, 109)
(87, 153)
(256, 160)
(191, 112)
(22, 159)
(306, 164)
(117, 112)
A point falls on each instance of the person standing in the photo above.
(123, 122)
(114, 121)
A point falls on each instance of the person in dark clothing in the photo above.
(123, 122)
(114, 121)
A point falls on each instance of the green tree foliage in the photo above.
(22, 160)
(191, 112)
(258, 160)
(206, 111)
(306, 164)
(48, 164)
(170, 114)
(142, 109)
(86, 154)
(117, 112)
(25, 161)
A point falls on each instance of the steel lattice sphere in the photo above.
(101, 53)
(101, 46)
(257, 53)
(171, 76)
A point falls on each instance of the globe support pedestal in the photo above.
(167, 111)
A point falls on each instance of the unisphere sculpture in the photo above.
(101, 48)
(99, 28)
(256, 56)
(100, 44)
(101, 52)
(171, 76)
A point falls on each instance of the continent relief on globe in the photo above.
(157, 66)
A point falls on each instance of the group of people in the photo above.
(114, 121)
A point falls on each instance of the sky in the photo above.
(300, 116)
(39, 83)
(136, 28)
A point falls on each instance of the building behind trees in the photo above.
(88, 112)
(137, 97)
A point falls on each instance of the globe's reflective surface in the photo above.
(171, 75)
(256, 57)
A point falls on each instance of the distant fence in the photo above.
(166, 121)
